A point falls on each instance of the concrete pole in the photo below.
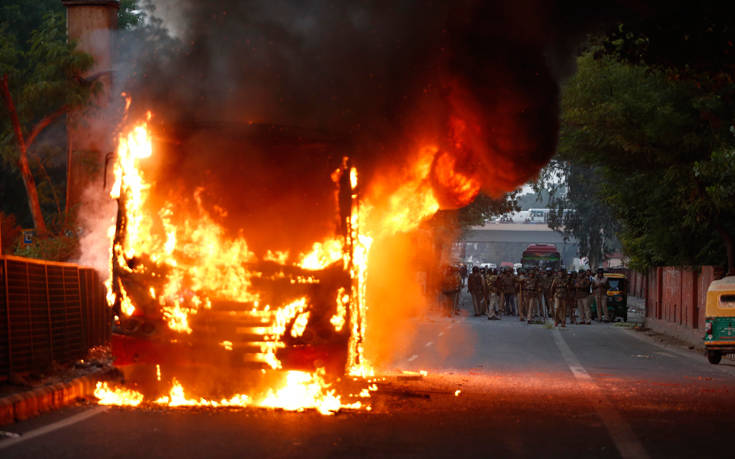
(90, 134)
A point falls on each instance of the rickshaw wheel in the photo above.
(714, 357)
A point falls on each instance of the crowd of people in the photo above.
(531, 294)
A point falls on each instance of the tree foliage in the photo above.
(578, 208)
(658, 150)
(43, 71)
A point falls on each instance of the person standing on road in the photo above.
(531, 294)
(582, 287)
(599, 288)
(491, 299)
(463, 274)
(548, 301)
(520, 289)
(572, 297)
(451, 285)
(476, 286)
(507, 286)
(559, 292)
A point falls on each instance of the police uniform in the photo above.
(548, 301)
(572, 298)
(599, 288)
(522, 301)
(582, 288)
(559, 292)
(491, 283)
(451, 283)
(507, 286)
(531, 292)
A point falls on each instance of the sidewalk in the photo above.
(23, 398)
(663, 331)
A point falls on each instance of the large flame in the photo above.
(297, 391)
(190, 262)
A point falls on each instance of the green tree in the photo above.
(40, 81)
(653, 145)
(39, 84)
(578, 208)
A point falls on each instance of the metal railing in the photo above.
(49, 312)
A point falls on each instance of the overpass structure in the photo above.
(498, 242)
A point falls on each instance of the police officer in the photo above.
(451, 284)
(520, 289)
(559, 292)
(548, 302)
(600, 285)
(507, 286)
(476, 286)
(572, 297)
(531, 293)
(582, 287)
(491, 284)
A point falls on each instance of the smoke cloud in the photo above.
(377, 79)
(256, 102)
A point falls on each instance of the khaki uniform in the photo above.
(599, 289)
(548, 302)
(559, 292)
(506, 283)
(491, 281)
(476, 286)
(571, 297)
(531, 293)
(522, 300)
(582, 288)
(451, 283)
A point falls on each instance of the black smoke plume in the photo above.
(258, 100)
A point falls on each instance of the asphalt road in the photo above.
(526, 391)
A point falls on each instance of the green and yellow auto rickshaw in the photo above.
(719, 324)
(617, 298)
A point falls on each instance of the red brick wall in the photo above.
(676, 295)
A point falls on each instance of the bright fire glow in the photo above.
(298, 391)
(322, 255)
(117, 396)
(192, 261)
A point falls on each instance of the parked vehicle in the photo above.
(538, 215)
(617, 297)
(719, 324)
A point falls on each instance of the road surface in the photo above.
(524, 391)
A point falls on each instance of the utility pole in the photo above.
(90, 24)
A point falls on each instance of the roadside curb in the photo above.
(25, 405)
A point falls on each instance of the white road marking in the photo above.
(413, 357)
(625, 440)
(429, 344)
(441, 333)
(79, 417)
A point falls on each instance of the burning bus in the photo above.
(185, 295)
(190, 291)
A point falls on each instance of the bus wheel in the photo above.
(714, 357)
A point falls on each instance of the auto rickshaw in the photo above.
(719, 322)
(617, 298)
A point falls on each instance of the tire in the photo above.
(714, 357)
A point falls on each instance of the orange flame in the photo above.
(298, 391)
(117, 396)
(200, 261)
